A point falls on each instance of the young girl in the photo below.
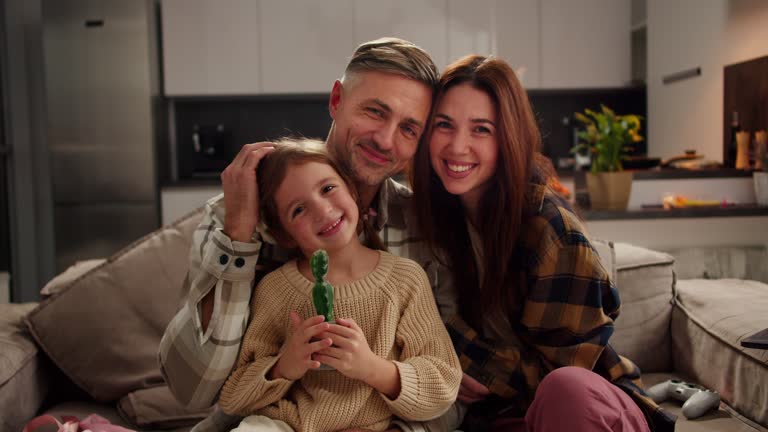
(391, 353)
(535, 305)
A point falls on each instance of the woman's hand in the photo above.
(471, 390)
(296, 359)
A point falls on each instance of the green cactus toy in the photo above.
(322, 292)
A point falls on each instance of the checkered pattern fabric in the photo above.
(566, 319)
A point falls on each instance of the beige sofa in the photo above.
(90, 345)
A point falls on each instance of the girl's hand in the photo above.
(296, 359)
(350, 353)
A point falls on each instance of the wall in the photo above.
(684, 34)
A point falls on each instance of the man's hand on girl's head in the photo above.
(241, 192)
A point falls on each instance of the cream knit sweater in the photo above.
(394, 307)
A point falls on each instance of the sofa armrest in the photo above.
(645, 280)
(23, 385)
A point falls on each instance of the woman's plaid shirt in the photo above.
(566, 319)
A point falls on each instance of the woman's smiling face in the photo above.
(464, 146)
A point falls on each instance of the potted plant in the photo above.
(607, 139)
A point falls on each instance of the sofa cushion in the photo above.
(710, 319)
(157, 408)
(645, 280)
(104, 328)
(22, 386)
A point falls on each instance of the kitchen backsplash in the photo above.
(207, 132)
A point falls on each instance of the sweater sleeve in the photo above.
(248, 388)
(429, 370)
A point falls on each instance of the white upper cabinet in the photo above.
(211, 48)
(228, 47)
(422, 22)
(518, 25)
(585, 43)
(470, 28)
(305, 44)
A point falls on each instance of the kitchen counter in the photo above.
(658, 212)
(731, 185)
(671, 173)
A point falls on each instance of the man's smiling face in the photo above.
(378, 120)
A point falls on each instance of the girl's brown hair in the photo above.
(502, 207)
(271, 173)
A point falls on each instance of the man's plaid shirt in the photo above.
(566, 319)
(196, 363)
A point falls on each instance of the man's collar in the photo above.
(379, 211)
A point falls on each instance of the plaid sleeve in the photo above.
(571, 302)
(195, 363)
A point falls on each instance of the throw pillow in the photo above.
(63, 279)
(104, 328)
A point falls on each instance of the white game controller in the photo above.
(697, 401)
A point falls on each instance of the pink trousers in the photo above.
(576, 399)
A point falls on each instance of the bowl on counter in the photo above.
(640, 162)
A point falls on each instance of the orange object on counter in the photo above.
(679, 201)
(558, 187)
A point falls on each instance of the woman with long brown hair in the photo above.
(535, 307)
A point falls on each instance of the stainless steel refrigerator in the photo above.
(104, 120)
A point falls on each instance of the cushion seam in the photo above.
(643, 265)
(25, 361)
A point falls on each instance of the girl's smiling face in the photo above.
(315, 208)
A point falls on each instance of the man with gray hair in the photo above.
(380, 109)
